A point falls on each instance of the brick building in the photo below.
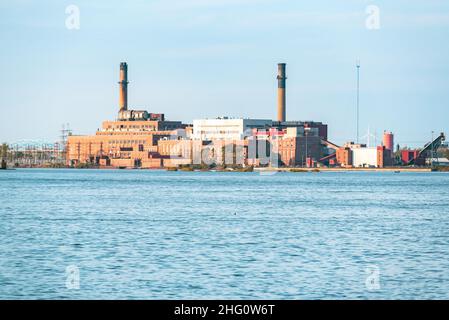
(130, 141)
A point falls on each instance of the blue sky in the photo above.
(204, 58)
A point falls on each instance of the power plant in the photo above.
(142, 139)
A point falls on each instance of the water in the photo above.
(210, 235)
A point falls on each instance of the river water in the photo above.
(135, 234)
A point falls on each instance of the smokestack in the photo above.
(123, 93)
(281, 92)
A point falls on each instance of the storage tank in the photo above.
(388, 141)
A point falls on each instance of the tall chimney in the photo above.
(123, 93)
(281, 92)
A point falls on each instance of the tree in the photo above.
(445, 152)
(4, 154)
(4, 150)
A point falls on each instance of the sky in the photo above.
(193, 59)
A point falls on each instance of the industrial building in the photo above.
(353, 155)
(138, 138)
(408, 155)
(129, 141)
(225, 128)
(141, 139)
(425, 155)
(296, 143)
(356, 155)
(377, 157)
(360, 156)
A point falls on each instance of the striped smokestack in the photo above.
(281, 92)
(123, 93)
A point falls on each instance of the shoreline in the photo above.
(399, 169)
(260, 170)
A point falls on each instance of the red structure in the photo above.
(384, 157)
(408, 155)
(388, 141)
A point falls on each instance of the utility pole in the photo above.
(306, 133)
(307, 151)
(358, 97)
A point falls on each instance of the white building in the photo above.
(364, 157)
(438, 161)
(226, 128)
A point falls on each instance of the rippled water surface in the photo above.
(155, 234)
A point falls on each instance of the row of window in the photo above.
(219, 131)
(134, 126)
(127, 142)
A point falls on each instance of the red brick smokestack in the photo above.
(123, 93)
(281, 92)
